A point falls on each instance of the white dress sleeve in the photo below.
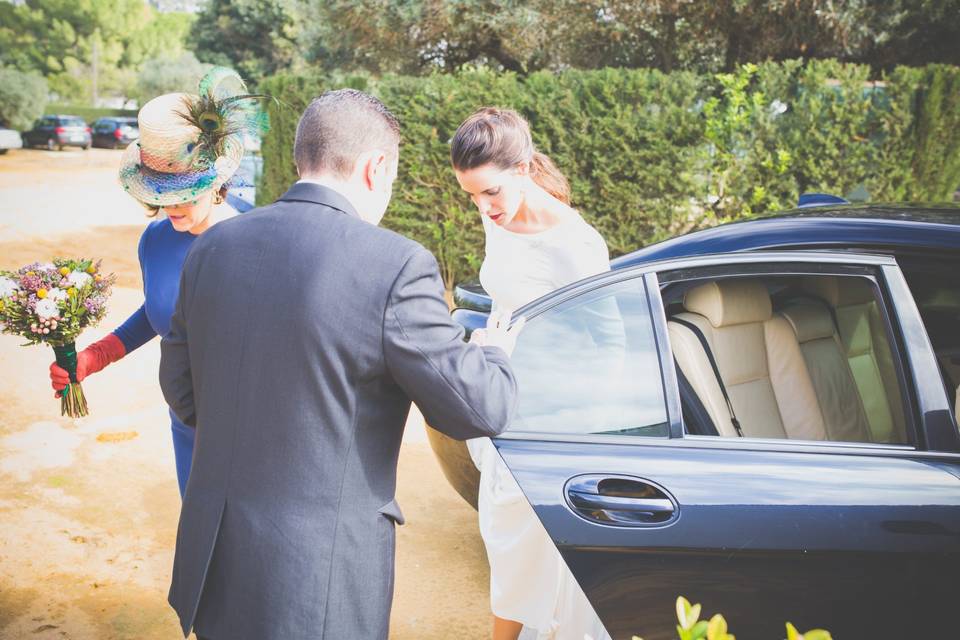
(583, 254)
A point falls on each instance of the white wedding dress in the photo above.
(529, 581)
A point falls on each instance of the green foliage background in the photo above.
(650, 154)
(22, 98)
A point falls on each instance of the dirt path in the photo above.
(88, 508)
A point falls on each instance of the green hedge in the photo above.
(649, 154)
(89, 114)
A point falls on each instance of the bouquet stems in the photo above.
(72, 401)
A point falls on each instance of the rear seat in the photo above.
(833, 381)
(759, 360)
(864, 339)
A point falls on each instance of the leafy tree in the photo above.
(255, 37)
(913, 32)
(76, 43)
(420, 36)
(23, 97)
(165, 35)
(167, 75)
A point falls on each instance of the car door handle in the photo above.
(620, 500)
(648, 505)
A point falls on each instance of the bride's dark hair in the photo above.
(501, 137)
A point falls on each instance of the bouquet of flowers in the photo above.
(52, 304)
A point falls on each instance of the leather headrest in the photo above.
(839, 291)
(810, 321)
(729, 302)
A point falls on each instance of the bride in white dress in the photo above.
(535, 244)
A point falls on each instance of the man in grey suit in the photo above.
(301, 335)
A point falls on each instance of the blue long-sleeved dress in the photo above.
(162, 251)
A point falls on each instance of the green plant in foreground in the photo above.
(691, 627)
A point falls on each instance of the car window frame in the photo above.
(893, 333)
(923, 400)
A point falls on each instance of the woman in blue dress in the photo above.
(189, 147)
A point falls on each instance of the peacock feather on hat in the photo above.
(223, 108)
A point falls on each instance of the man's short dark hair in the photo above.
(339, 126)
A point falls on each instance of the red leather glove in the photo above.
(92, 359)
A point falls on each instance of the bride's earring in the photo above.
(217, 198)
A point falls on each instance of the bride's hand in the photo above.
(499, 333)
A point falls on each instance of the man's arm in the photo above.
(463, 390)
(175, 378)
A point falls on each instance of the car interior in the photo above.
(803, 357)
(936, 290)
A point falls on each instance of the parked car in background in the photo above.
(59, 131)
(764, 414)
(9, 139)
(115, 132)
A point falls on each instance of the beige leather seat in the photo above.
(833, 382)
(759, 359)
(864, 339)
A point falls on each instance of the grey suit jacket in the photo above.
(300, 336)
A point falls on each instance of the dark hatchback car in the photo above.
(57, 132)
(115, 133)
(760, 416)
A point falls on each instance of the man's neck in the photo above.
(345, 189)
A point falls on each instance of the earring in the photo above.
(217, 198)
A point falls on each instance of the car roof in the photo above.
(882, 227)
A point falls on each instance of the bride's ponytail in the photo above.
(546, 174)
(502, 137)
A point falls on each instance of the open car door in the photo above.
(860, 537)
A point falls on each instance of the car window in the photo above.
(802, 357)
(48, 121)
(590, 366)
(73, 122)
(104, 126)
(936, 290)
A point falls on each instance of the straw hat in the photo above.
(189, 144)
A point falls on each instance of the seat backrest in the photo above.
(833, 382)
(865, 342)
(758, 357)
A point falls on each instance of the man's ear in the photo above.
(376, 169)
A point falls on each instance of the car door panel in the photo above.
(760, 535)
(861, 539)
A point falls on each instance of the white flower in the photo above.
(47, 309)
(56, 294)
(79, 278)
(8, 287)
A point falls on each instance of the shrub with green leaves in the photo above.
(691, 627)
(650, 155)
(22, 98)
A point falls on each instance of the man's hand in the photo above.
(499, 333)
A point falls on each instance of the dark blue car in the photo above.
(760, 416)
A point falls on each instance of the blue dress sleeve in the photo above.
(136, 331)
